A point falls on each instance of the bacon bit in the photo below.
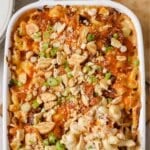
(84, 109)
(109, 94)
(71, 105)
(94, 101)
(21, 95)
(113, 17)
(83, 20)
(74, 22)
(99, 44)
(61, 70)
(89, 89)
(58, 131)
(30, 118)
(113, 79)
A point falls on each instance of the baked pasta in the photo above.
(74, 80)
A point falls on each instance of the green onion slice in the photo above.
(90, 37)
(35, 104)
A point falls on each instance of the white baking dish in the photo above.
(40, 4)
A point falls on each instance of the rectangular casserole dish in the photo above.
(40, 4)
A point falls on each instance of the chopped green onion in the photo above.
(90, 147)
(108, 48)
(66, 92)
(46, 84)
(35, 104)
(53, 81)
(95, 94)
(44, 46)
(69, 97)
(36, 36)
(42, 53)
(52, 138)
(90, 37)
(20, 31)
(46, 142)
(99, 68)
(109, 100)
(92, 79)
(19, 84)
(53, 51)
(69, 75)
(129, 58)
(115, 35)
(46, 35)
(49, 28)
(66, 64)
(14, 82)
(47, 55)
(67, 67)
(136, 63)
(60, 146)
(59, 101)
(31, 141)
(86, 69)
(108, 75)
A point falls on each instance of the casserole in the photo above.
(101, 3)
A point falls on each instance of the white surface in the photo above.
(6, 7)
(1, 56)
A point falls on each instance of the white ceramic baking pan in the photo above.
(40, 4)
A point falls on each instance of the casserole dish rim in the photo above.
(121, 8)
